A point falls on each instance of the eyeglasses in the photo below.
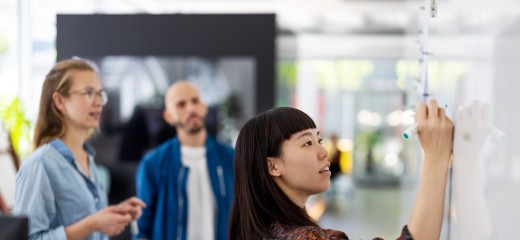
(90, 94)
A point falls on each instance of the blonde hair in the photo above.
(50, 122)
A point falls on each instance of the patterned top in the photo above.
(316, 233)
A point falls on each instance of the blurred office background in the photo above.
(352, 65)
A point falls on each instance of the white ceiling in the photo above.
(386, 17)
(338, 28)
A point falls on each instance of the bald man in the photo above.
(187, 181)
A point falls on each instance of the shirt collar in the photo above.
(65, 151)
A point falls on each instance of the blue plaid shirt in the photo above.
(53, 192)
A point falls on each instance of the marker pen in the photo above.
(410, 131)
(134, 230)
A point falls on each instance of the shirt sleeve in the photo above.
(147, 192)
(405, 234)
(34, 199)
(317, 233)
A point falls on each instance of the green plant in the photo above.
(14, 120)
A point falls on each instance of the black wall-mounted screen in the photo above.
(202, 35)
(229, 57)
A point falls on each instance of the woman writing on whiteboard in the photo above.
(280, 163)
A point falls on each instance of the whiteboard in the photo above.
(484, 203)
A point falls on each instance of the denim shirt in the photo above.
(53, 192)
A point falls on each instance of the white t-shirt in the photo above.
(201, 202)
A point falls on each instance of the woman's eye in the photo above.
(89, 93)
(309, 143)
(320, 141)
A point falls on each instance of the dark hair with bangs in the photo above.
(258, 202)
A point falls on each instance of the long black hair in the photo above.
(258, 202)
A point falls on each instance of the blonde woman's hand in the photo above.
(112, 220)
(135, 207)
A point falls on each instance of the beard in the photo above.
(194, 131)
(191, 130)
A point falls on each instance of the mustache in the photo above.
(191, 116)
(194, 115)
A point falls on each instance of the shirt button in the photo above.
(97, 199)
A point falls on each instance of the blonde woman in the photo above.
(57, 187)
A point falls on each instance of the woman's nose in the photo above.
(323, 153)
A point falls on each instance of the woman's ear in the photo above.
(57, 99)
(274, 166)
